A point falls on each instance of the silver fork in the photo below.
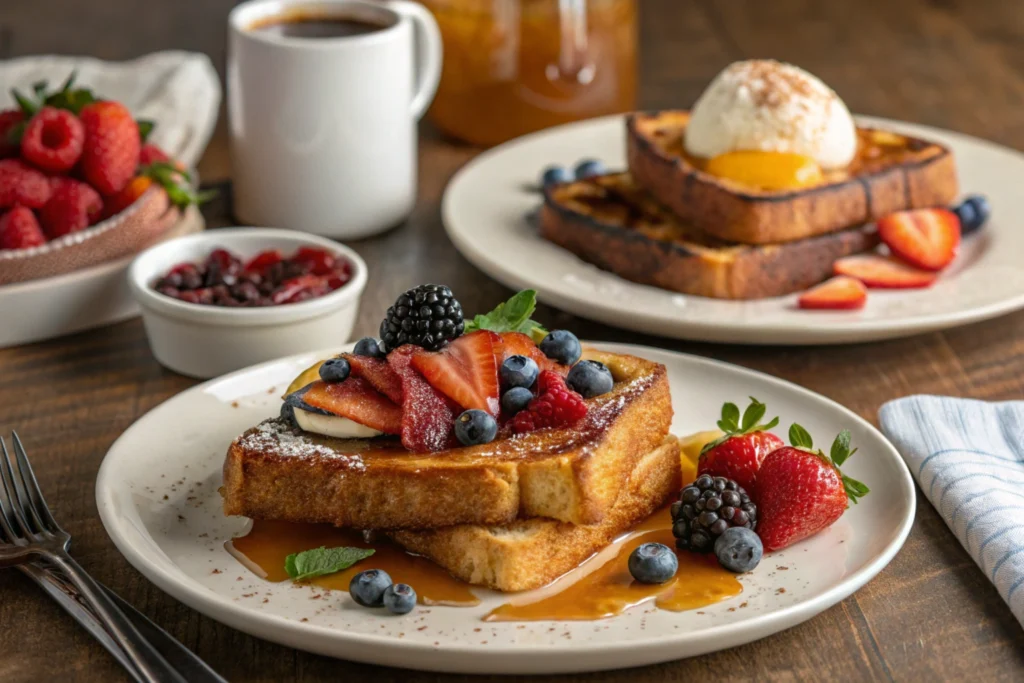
(34, 535)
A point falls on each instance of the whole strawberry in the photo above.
(22, 185)
(111, 152)
(9, 120)
(20, 230)
(73, 206)
(801, 491)
(53, 140)
(738, 454)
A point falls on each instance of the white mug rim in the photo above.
(239, 23)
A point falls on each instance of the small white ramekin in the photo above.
(207, 341)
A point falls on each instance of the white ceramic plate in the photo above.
(485, 212)
(81, 300)
(157, 497)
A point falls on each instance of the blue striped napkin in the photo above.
(968, 458)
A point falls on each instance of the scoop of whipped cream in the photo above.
(769, 106)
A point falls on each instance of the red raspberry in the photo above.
(556, 406)
(73, 207)
(22, 184)
(111, 152)
(9, 118)
(320, 261)
(19, 229)
(53, 140)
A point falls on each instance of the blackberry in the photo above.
(706, 508)
(427, 316)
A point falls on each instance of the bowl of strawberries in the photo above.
(80, 184)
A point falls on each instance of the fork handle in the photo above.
(145, 659)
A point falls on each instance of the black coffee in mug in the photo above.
(308, 25)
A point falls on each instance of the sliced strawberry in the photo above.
(883, 273)
(519, 344)
(378, 373)
(839, 293)
(358, 401)
(465, 371)
(926, 238)
(428, 418)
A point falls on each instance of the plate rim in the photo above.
(790, 334)
(290, 632)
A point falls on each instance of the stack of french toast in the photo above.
(756, 192)
(506, 461)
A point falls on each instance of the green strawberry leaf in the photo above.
(175, 183)
(841, 448)
(145, 128)
(39, 88)
(854, 489)
(730, 422)
(799, 437)
(511, 316)
(25, 104)
(310, 564)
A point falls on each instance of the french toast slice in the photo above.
(275, 471)
(530, 553)
(613, 223)
(891, 172)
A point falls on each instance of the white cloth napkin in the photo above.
(178, 90)
(968, 459)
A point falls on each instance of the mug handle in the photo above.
(429, 55)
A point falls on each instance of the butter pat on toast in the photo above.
(575, 474)
(891, 172)
(530, 553)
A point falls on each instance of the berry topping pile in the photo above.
(439, 381)
(754, 494)
(69, 160)
(268, 279)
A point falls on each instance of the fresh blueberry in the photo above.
(653, 563)
(738, 549)
(515, 400)
(335, 370)
(368, 346)
(973, 212)
(288, 414)
(399, 598)
(562, 346)
(475, 427)
(590, 378)
(367, 588)
(555, 174)
(519, 371)
(589, 167)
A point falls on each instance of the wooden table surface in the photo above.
(930, 615)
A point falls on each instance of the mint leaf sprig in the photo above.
(838, 454)
(733, 425)
(321, 561)
(511, 316)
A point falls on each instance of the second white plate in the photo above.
(485, 211)
(157, 496)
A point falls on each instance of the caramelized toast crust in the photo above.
(575, 474)
(891, 172)
(611, 222)
(530, 553)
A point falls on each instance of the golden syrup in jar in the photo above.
(515, 66)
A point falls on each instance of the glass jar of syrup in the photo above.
(515, 66)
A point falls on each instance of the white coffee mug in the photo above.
(323, 130)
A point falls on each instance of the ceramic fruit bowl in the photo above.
(205, 340)
(128, 232)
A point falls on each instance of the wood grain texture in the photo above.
(930, 615)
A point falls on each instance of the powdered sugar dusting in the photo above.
(277, 437)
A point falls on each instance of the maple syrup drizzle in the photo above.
(610, 590)
(267, 544)
(604, 592)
